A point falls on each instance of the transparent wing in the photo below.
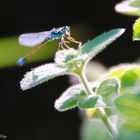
(34, 39)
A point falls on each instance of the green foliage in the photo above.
(84, 95)
(126, 79)
(98, 44)
(69, 61)
(89, 101)
(129, 131)
(94, 130)
(131, 77)
(132, 8)
(117, 91)
(135, 3)
(128, 101)
(129, 7)
(75, 96)
(116, 72)
(70, 98)
(129, 105)
(108, 90)
(136, 30)
(41, 74)
(11, 51)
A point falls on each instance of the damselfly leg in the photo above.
(74, 41)
(63, 42)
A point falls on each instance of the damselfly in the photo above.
(37, 40)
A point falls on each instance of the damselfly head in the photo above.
(66, 30)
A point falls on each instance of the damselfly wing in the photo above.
(34, 39)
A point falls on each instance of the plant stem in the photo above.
(107, 122)
(100, 110)
(86, 84)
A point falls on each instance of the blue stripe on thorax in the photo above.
(56, 35)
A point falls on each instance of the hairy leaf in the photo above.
(136, 30)
(130, 77)
(94, 130)
(129, 130)
(91, 48)
(70, 98)
(88, 102)
(129, 105)
(135, 3)
(109, 89)
(41, 74)
(129, 7)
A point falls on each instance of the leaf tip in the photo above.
(57, 105)
(121, 30)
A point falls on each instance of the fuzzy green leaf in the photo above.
(88, 102)
(136, 30)
(94, 130)
(70, 98)
(130, 130)
(109, 89)
(129, 7)
(135, 3)
(130, 77)
(129, 105)
(95, 46)
(118, 71)
(41, 74)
